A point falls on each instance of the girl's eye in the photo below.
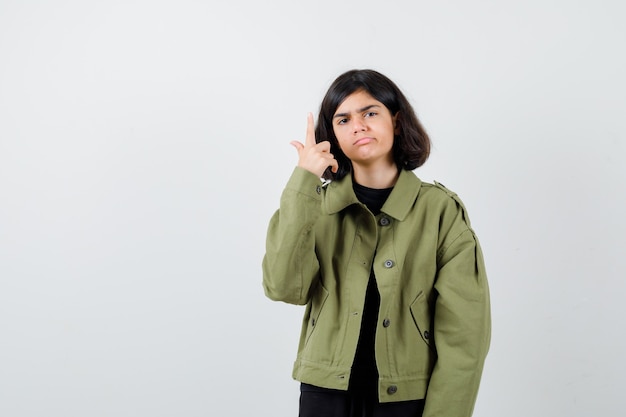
(342, 121)
(370, 114)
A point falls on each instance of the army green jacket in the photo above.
(434, 320)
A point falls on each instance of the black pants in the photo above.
(323, 402)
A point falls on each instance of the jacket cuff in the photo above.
(305, 182)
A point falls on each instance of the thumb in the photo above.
(299, 146)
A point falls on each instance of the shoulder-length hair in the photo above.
(411, 145)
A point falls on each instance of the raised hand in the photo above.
(314, 157)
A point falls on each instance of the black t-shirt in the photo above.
(364, 372)
(373, 198)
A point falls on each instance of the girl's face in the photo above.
(365, 130)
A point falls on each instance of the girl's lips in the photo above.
(363, 141)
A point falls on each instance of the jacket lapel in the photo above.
(340, 194)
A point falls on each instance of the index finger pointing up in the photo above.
(310, 132)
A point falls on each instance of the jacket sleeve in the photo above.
(290, 265)
(462, 323)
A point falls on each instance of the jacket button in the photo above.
(386, 323)
(384, 221)
(388, 263)
(313, 322)
(318, 189)
(426, 334)
(392, 389)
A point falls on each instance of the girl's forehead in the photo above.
(356, 101)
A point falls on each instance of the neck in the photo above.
(379, 178)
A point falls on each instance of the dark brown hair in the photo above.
(411, 146)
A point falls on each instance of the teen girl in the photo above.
(397, 319)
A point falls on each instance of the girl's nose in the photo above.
(358, 125)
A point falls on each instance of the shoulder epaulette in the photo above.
(456, 198)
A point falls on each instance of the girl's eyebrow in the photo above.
(358, 111)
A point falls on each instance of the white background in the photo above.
(144, 146)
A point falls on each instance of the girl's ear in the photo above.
(396, 124)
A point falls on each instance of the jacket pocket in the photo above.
(422, 319)
(317, 303)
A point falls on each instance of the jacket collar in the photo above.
(340, 195)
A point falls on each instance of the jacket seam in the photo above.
(444, 249)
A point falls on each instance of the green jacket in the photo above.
(434, 318)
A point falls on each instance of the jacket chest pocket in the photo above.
(422, 319)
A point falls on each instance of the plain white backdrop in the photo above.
(144, 146)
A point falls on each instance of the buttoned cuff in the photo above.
(305, 182)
